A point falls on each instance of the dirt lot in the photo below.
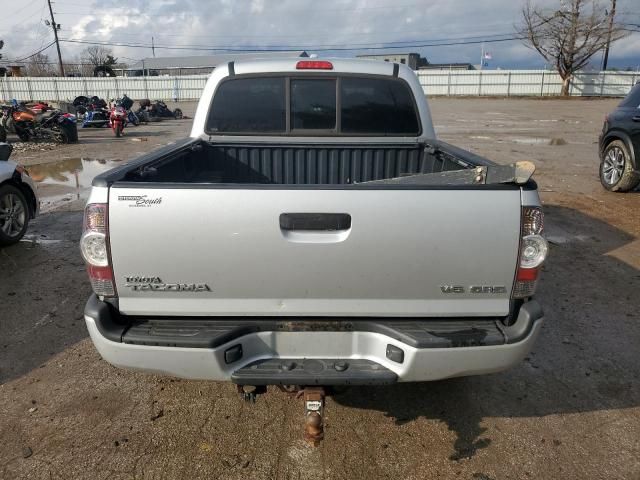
(571, 410)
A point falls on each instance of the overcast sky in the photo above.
(289, 23)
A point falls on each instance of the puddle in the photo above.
(41, 240)
(68, 179)
(538, 140)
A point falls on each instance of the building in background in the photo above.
(413, 60)
(448, 66)
(197, 64)
(7, 70)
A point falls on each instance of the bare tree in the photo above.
(570, 36)
(98, 56)
(39, 65)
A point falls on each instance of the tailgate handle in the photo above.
(329, 222)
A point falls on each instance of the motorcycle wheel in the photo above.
(80, 101)
(117, 129)
(23, 135)
(71, 130)
(135, 120)
(60, 134)
(177, 114)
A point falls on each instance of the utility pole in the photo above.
(612, 14)
(153, 48)
(55, 27)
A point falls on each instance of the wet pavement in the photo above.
(571, 410)
(68, 179)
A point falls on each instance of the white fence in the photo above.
(434, 82)
(524, 83)
(186, 87)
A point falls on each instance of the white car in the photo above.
(18, 198)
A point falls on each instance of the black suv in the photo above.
(620, 145)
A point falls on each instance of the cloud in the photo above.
(257, 6)
(308, 25)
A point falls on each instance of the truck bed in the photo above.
(200, 161)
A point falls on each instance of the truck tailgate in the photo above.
(365, 252)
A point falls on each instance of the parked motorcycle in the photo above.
(93, 111)
(28, 125)
(118, 118)
(158, 109)
(40, 107)
(127, 103)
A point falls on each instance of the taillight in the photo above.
(94, 245)
(533, 252)
(314, 65)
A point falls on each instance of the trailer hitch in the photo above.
(313, 414)
(313, 398)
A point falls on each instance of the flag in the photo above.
(487, 56)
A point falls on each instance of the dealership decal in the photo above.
(140, 200)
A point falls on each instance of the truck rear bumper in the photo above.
(313, 352)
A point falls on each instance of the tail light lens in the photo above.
(533, 252)
(314, 65)
(94, 245)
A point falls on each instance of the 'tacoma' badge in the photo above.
(155, 284)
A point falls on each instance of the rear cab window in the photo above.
(294, 105)
(313, 104)
(373, 105)
(247, 105)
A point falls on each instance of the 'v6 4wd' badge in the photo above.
(487, 289)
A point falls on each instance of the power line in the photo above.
(275, 48)
(29, 56)
(306, 34)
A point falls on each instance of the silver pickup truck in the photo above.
(313, 231)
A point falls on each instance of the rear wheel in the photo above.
(60, 134)
(616, 168)
(177, 114)
(23, 135)
(81, 100)
(14, 214)
(143, 116)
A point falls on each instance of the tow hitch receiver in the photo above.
(313, 414)
(249, 393)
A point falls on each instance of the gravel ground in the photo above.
(571, 410)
